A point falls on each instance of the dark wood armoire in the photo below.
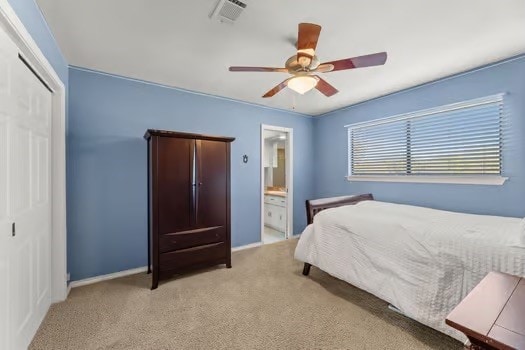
(188, 202)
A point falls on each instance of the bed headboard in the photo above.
(314, 206)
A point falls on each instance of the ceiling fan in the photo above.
(304, 65)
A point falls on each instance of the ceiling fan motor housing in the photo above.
(294, 67)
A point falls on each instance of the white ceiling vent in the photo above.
(228, 10)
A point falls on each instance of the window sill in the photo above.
(464, 180)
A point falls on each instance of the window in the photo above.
(458, 143)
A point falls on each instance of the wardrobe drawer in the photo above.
(180, 259)
(191, 238)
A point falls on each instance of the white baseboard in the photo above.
(248, 246)
(258, 244)
(109, 276)
(114, 275)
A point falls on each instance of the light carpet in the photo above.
(263, 302)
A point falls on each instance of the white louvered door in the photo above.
(25, 203)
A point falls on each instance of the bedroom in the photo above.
(117, 69)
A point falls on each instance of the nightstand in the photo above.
(492, 315)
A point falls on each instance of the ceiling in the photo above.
(175, 43)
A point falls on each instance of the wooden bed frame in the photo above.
(314, 206)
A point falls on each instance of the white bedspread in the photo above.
(423, 261)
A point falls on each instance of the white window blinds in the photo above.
(462, 139)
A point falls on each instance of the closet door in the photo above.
(212, 174)
(175, 184)
(25, 199)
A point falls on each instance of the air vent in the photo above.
(228, 10)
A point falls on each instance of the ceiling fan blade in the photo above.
(276, 89)
(375, 59)
(258, 69)
(307, 42)
(327, 89)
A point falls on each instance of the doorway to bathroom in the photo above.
(276, 183)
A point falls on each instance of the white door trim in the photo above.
(289, 177)
(28, 48)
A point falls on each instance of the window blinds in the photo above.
(459, 139)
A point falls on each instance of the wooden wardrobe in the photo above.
(188, 202)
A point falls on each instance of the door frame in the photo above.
(289, 177)
(27, 47)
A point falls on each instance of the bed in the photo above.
(422, 261)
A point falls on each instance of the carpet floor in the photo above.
(263, 302)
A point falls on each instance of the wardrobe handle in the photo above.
(193, 184)
(197, 178)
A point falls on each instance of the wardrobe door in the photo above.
(212, 175)
(175, 186)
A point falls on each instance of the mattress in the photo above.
(423, 261)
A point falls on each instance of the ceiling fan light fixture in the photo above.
(302, 84)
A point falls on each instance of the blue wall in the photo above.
(509, 200)
(30, 14)
(106, 153)
(107, 164)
